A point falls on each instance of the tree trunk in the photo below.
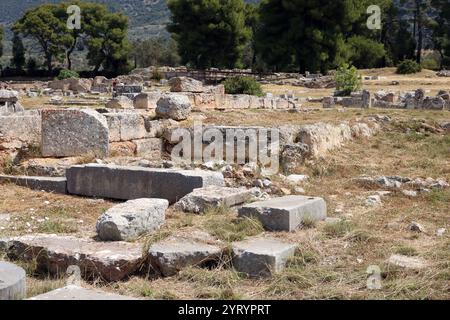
(420, 32)
(49, 62)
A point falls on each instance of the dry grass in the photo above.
(332, 258)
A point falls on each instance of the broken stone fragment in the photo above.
(12, 281)
(129, 220)
(111, 261)
(412, 263)
(174, 106)
(199, 200)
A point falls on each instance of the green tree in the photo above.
(155, 52)
(365, 53)
(1, 40)
(308, 34)
(18, 51)
(210, 33)
(42, 25)
(107, 41)
(441, 31)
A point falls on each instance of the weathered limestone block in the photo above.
(23, 127)
(150, 148)
(120, 102)
(185, 84)
(174, 106)
(172, 254)
(72, 84)
(126, 183)
(328, 102)
(213, 196)
(112, 261)
(433, 103)
(147, 100)
(322, 137)
(126, 126)
(129, 220)
(72, 132)
(75, 293)
(48, 184)
(261, 257)
(405, 262)
(286, 213)
(12, 282)
(237, 101)
(122, 149)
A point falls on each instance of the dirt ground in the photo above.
(332, 259)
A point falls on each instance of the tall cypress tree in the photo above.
(18, 50)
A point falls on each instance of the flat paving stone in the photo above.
(405, 262)
(79, 294)
(12, 282)
(112, 261)
(261, 257)
(285, 213)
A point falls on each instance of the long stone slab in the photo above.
(128, 183)
(49, 184)
(12, 281)
(73, 132)
(112, 261)
(286, 213)
(261, 257)
(77, 293)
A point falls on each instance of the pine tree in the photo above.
(210, 33)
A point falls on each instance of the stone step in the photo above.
(77, 293)
(261, 257)
(12, 282)
(213, 196)
(112, 261)
(285, 213)
(128, 183)
(49, 184)
(177, 252)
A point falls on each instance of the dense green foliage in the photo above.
(18, 50)
(243, 85)
(104, 34)
(210, 33)
(347, 80)
(408, 67)
(155, 52)
(67, 74)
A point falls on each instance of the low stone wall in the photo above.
(22, 126)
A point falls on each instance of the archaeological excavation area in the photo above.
(349, 197)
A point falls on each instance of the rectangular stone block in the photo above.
(24, 127)
(151, 147)
(127, 183)
(75, 293)
(285, 213)
(49, 184)
(73, 132)
(261, 257)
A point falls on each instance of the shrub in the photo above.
(66, 74)
(347, 80)
(243, 85)
(156, 75)
(431, 63)
(366, 53)
(408, 67)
